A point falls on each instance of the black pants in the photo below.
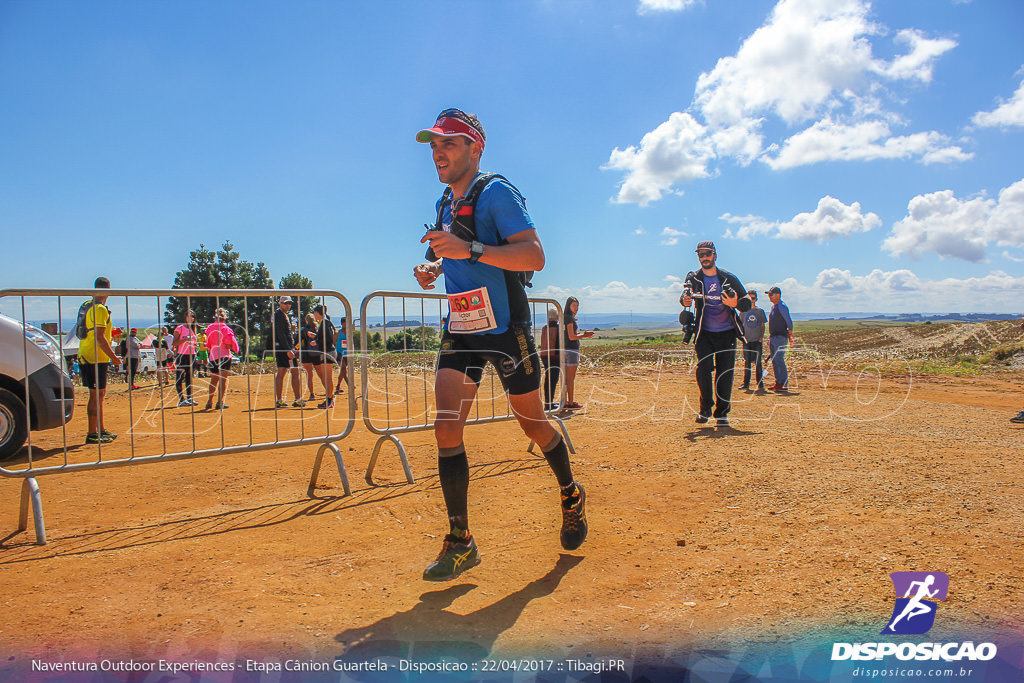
(133, 369)
(752, 353)
(715, 351)
(552, 372)
(183, 377)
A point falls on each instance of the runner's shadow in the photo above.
(429, 631)
(715, 433)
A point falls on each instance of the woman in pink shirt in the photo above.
(184, 346)
(220, 342)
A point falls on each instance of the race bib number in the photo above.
(470, 312)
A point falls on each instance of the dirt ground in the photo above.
(786, 525)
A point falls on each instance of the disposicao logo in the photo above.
(914, 612)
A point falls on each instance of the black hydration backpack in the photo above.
(463, 226)
(81, 327)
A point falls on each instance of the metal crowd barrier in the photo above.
(158, 428)
(401, 385)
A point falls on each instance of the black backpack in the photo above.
(81, 328)
(463, 226)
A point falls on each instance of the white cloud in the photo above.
(672, 236)
(1007, 114)
(741, 141)
(617, 296)
(833, 290)
(793, 65)
(827, 140)
(917, 64)
(677, 150)
(1006, 223)
(811, 61)
(900, 291)
(876, 282)
(830, 219)
(941, 224)
(749, 226)
(639, 231)
(808, 58)
(665, 5)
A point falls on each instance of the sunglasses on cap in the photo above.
(456, 114)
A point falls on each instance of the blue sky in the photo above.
(862, 156)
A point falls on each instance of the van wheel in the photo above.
(13, 424)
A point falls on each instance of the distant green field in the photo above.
(821, 325)
(624, 335)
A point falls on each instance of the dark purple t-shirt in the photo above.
(717, 316)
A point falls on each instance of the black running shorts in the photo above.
(321, 357)
(283, 361)
(221, 366)
(94, 375)
(512, 353)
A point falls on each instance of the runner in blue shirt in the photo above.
(341, 348)
(488, 322)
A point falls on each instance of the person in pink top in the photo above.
(221, 343)
(184, 346)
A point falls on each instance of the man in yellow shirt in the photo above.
(94, 354)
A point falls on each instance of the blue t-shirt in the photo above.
(753, 324)
(717, 316)
(500, 213)
(341, 345)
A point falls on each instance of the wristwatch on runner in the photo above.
(476, 250)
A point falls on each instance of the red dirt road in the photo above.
(787, 524)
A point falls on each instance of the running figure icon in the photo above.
(915, 607)
(918, 591)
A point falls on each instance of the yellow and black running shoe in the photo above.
(456, 556)
(574, 518)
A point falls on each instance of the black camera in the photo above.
(688, 323)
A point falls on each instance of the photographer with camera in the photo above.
(716, 293)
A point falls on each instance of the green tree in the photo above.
(223, 269)
(415, 339)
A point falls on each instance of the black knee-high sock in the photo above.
(557, 455)
(453, 471)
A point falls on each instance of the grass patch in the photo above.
(958, 367)
(1003, 352)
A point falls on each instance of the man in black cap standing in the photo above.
(780, 335)
(717, 293)
(284, 354)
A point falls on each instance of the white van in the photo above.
(50, 395)
(147, 363)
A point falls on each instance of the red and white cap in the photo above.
(452, 122)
